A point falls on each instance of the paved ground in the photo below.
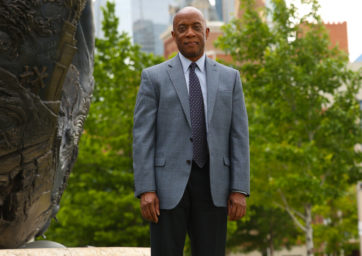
(91, 251)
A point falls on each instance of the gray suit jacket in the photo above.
(162, 130)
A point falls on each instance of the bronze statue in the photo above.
(46, 82)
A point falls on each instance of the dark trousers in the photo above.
(195, 215)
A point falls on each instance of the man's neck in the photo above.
(193, 59)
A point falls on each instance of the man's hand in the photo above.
(150, 206)
(236, 206)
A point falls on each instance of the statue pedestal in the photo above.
(89, 251)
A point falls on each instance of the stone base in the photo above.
(89, 251)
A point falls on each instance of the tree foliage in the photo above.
(303, 112)
(98, 207)
(266, 230)
(339, 217)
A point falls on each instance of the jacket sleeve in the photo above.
(239, 141)
(144, 136)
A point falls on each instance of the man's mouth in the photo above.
(191, 43)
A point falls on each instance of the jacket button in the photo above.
(191, 139)
(188, 161)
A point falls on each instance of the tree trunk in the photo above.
(271, 240)
(271, 249)
(309, 230)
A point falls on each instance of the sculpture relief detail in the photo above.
(46, 83)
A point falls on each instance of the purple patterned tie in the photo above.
(197, 115)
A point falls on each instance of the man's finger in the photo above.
(238, 212)
(232, 211)
(153, 213)
(243, 210)
(235, 212)
(157, 206)
(146, 213)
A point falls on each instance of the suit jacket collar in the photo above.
(212, 84)
(177, 77)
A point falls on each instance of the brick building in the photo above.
(338, 35)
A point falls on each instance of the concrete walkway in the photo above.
(89, 251)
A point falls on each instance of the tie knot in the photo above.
(193, 66)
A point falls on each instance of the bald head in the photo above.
(187, 11)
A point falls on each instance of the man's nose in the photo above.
(190, 32)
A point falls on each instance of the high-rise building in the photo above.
(207, 9)
(228, 9)
(218, 7)
(147, 35)
(143, 34)
(150, 19)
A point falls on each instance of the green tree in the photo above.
(302, 109)
(338, 228)
(98, 207)
(266, 230)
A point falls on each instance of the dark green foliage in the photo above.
(268, 228)
(339, 225)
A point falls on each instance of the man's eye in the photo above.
(181, 29)
(197, 27)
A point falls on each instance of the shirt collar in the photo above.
(186, 62)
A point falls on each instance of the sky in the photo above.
(124, 10)
(350, 11)
(331, 11)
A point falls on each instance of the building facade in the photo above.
(150, 19)
(338, 35)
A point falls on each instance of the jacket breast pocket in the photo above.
(226, 90)
(224, 100)
(226, 93)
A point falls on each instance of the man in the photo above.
(190, 145)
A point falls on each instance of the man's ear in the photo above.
(207, 32)
(173, 34)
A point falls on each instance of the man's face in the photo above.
(190, 34)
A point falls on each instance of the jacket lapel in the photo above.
(212, 83)
(178, 80)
